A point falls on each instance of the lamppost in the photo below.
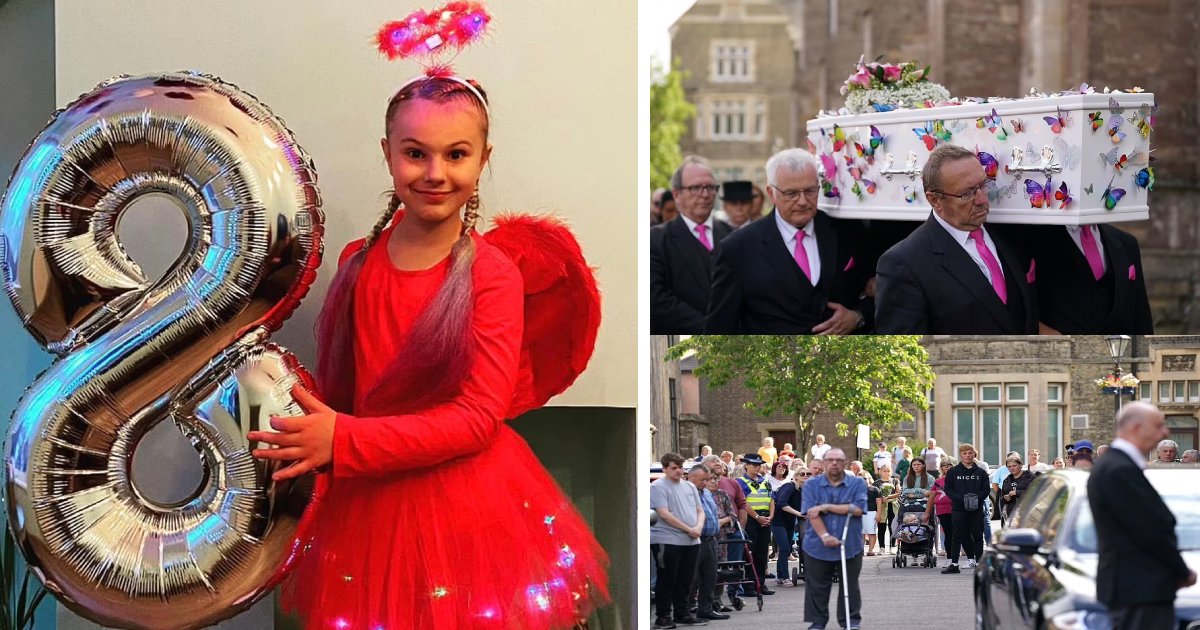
(1116, 349)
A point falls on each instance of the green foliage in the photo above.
(22, 590)
(868, 378)
(669, 113)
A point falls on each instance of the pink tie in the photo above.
(1088, 240)
(703, 230)
(992, 265)
(801, 255)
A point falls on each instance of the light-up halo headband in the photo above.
(430, 34)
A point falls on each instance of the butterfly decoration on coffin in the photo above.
(830, 191)
(861, 187)
(1089, 189)
(1058, 121)
(1067, 155)
(910, 194)
(1097, 119)
(1144, 119)
(1145, 178)
(1112, 195)
(839, 138)
(989, 163)
(933, 131)
(1063, 196)
(874, 141)
(995, 191)
(1115, 121)
(1039, 196)
(994, 124)
(1120, 160)
(853, 168)
(1018, 125)
(828, 167)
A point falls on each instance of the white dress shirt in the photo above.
(1129, 449)
(968, 244)
(1074, 231)
(696, 233)
(789, 233)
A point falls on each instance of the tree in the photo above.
(669, 113)
(868, 378)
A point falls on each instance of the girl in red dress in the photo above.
(432, 513)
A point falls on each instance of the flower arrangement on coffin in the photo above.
(1123, 385)
(882, 87)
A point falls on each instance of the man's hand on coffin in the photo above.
(1046, 330)
(843, 322)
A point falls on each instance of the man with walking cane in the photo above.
(834, 502)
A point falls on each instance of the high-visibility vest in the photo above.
(758, 494)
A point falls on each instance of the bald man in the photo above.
(1140, 566)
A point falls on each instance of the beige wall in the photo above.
(564, 125)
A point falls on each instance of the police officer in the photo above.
(758, 525)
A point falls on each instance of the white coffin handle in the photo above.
(1047, 165)
(910, 167)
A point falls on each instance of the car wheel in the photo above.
(982, 617)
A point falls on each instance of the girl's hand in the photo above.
(307, 439)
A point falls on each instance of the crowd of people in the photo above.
(748, 511)
(798, 270)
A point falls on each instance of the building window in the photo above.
(1179, 391)
(734, 118)
(732, 61)
(1054, 445)
(1054, 393)
(1002, 424)
(1145, 391)
(1164, 391)
(1193, 391)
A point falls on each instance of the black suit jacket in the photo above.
(927, 284)
(680, 277)
(1139, 554)
(759, 289)
(1064, 280)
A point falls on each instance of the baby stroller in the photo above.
(914, 537)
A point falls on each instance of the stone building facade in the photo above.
(739, 56)
(1001, 50)
(1000, 393)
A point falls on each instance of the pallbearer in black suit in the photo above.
(681, 253)
(1089, 280)
(795, 270)
(952, 275)
(1140, 566)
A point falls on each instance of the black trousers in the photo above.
(760, 544)
(967, 535)
(706, 574)
(1151, 617)
(676, 566)
(818, 581)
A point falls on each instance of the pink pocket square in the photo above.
(1031, 275)
(1132, 273)
(850, 265)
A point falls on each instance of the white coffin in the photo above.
(1077, 155)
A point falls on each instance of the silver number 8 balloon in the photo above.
(190, 347)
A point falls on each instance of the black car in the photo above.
(1041, 570)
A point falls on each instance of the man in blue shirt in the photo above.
(829, 500)
(705, 583)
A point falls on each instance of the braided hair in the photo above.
(436, 355)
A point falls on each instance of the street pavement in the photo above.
(891, 598)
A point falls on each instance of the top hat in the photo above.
(737, 191)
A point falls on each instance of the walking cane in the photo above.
(845, 575)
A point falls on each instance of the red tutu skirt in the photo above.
(486, 541)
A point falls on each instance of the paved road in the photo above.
(892, 598)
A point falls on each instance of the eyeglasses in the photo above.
(804, 474)
(792, 195)
(702, 188)
(966, 196)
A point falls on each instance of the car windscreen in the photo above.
(1187, 524)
